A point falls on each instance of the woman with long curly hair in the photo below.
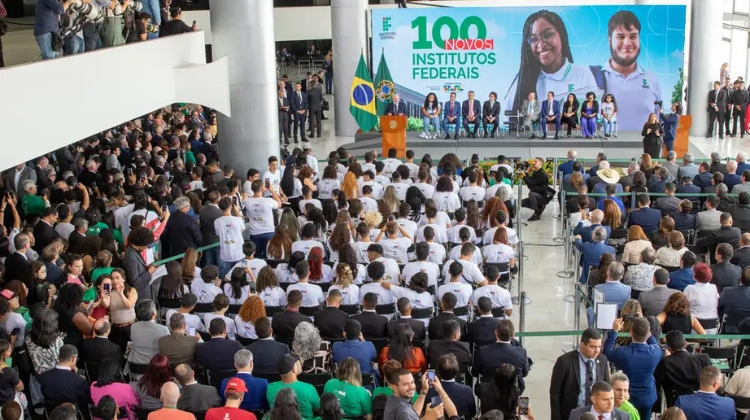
(148, 387)
(280, 245)
(350, 254)
(285, 406)
(489, 212)
(267, 286)
(347, 385)
(319, 272)
(612, 215)
(332, 409)
(285, 271)
(73, 319)
(450, 159)
(341, 235)
(390, 201)
(313, 351)
(676, 316)
(252, 310)
(344, 283)
(238, 288)
(349, 186)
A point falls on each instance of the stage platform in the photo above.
(626, 144)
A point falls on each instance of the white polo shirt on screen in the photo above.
(571, 78)
(635, 95)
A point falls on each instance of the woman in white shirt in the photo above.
(238, 288)
(344, 283)
(670, 256)
(341, 235)
(285, 271)
(445, 197)
(394, 247)
(348, 255)
(416, 292)
(251, 311)
(500, 251)
(221, 304)
(430, 114)
(319, 272)
(329, 183)
(609, 114)
(637, 242)
(703, 296)
(268, 289)
(207, 288)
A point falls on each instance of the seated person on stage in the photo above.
(491, 114)
(530, 112)
(472, 113)
(451, 113)
(430, 114)
(551, 114)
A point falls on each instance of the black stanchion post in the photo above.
(522, 315)
(563, 216)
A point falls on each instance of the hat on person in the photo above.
(306, 146)
(286, 363)
(610, 176)
(235, 385)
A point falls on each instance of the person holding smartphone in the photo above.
(176, 26)
(400, 407)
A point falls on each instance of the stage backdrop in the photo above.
(634, 53)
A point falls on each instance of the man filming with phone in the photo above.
(399, 406)
(176, 26)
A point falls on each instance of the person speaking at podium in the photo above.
(396, 107)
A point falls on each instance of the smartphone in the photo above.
(268, 183)
(193, 23)
(107, 287)
(435, 401)
(430, 375)
(163, 207)
(391, 218)
(191, 331)
(234, 201)
(523, 405)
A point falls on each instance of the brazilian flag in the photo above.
(362, 99)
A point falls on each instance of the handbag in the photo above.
(325, 105)
(549, 193)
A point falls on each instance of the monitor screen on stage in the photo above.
(633, 53)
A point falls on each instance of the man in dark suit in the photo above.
(724, 273)
(460, 395)
(266, 351)
(218, 352)
(17, 265)
(298, 103)
(373, 324)
(491, 114)
(566, 391)
(741, 212)
(396, 107)
(704, 177)
(315, 106)
(451, 114)
(208, 215)
(181, 231)
(734, 302)
(687, 187)
(739, 103)
(717, 105)
(330, 321)
(449, 345)
(645, 217)
(472, 114)
(602, 398)
(435, 326)
(100, 347)
(285, 322)
(743, 251)
(44, 232)
(660, 184)
(705, 404)
(488, 358)
(670, 204)
(716, 179)
(550, 115)
(679, 373)
(62, 384)
(481, 332)
(725, 234)
(404, 308)
(284, 121)
(194, 397)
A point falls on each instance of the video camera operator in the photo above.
(47, 26)
(537, 181)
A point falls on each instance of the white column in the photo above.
(738, 54)
(243, 30)
(348, 23)
(705, 60)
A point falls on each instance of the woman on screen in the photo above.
(570, 112)
(589, 111)
(546, 62)
(431, 114)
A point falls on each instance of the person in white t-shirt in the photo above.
(307, 198)
(259, 213)
(456, 287)
(251, 310)
(437, 251)
(380, 177)
(465, 238)
(499, 296)
(454, 233)
(344, 283)
(207, 288)
(376, 271)
(501, 218)
(446, 198)
(413, 167)
(500, 251)
(221, 304)
(416, 292)
(368, 203)
(391, 163)
(471, 272)
(268, 289)
(368, 179)
(187, 304)
(238, 288)
(286, 272)
(272, 177)
(472, 192)
(404, 222)
(399, 186)
(369, 164)
(394, 247)
(251, 265)
(328, 183)
(229, 228)
(441, 234)
(375, 253)
(312, 294)
(422, 265)
(307, 242)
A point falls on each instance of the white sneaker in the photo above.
(422, 135)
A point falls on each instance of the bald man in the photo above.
(170, 394)
(586, 227)
(100, 347)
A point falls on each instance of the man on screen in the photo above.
(472, 113)
(451, 112)
(491, 113)
(635, 89)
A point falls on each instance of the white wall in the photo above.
(53, 103)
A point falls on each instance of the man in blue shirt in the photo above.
(566, 168)
(595, 217)
(46, 22)
(614, 291)
(683, 277)
(355, 347)
(705, 404)
(592, 251)
(255, 396)
(638, 361)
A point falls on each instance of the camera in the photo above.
(630, 317)
(659, 103)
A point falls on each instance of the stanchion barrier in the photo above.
(519, 284)
(566, 273)
(555, 183)
(563, 218)
(531, 334)
(522, 315)
(179, 256)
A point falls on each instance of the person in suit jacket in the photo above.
(603, 399)
(217, 353)
(741, 212)
(298, 103)
(567, 391)
(491, 114)
(255, 390)
(194, 397)
(435, 326)
(652, 302)
(734, 302)
(551, 114)
(717, 105)
(208, 215)
(330, 321)
(17, 265)
(373, 324)
(44, 232)
(488, 358)
(670, 204)
(62, 384)
(592, 251)
(100, 347)
(637, 361)
(449, 344)
(285, 322)
(704, 179)
(659, 184)
(705, 404)
(679, 373)
(178, 346)
(460, 395)
(743, 251)
(396, 107)
(687, 187)
(266, 351)
(451, 115)
(725, 274)
(645, 217)
(15, 177)
(404, 308)
(481, 332)
(672, 166)
(595, 217)
(724, 234)
(284, 121)
(739, 102)
(472, 114)
(530, 112)
(315, 108)
(181, 232)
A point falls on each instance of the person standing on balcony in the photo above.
(47, 24)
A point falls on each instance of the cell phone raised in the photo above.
(523, 405)
(107, 287)
(435, 401)
(430, 375)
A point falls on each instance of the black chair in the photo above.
(215, 377)
(708, 324)
(386, 309)
(285, 286)
(245, 341)
(504, 270)
(333, 340)
(92, 371)
(350, 309)
(670, 269)
(309, 310)
(271, 310)
(203, 308)
(200, 415)
(324, 287)
(274, 263)
(286, 340)
(368, 379)
(141, 413)
(165, 303)
(270, 377)
(419, 344)
(318, 380)
(233, 310)
(498, 312)
(137, 368)
(740, 403)
(205, 336)
(258, 413)
(379, 343)
(461, 311)
(728, 353)
(421, 313)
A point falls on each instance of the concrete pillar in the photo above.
(349, 38)
(747, 62)
(243, 31)
(705, 60)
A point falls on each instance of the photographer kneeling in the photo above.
(537, 182)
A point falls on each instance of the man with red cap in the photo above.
(234, 392)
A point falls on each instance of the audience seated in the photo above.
(741, 212)
(354, 346)
(640, 276)
(179, 347)
(447, 368)
(644, 216)
(266, 350)
(499, 296)
(347, 388)
(481, 331)
(725, 274)
(677, 317)
(705, 403)
(148, 387)
(194, 397)
(734, 303)
(743, 251)
(725, 234)
(285, 322)
(330, 321)
(708, 220)
(145, 333)
(652, 302)
(488, 359)
(373, 325)
(100, 348)
(235, 390)
(110, 382)
(254, 397)
(62, 384)
(684, 219)
(289, 367)
(187, 304)
(449, 344)
(592, 251)
(679, 372)
(683, 277)
(314, 352)
(216, 354)
(400, 349)
(403, 305)
(169, 396)
(447, 305)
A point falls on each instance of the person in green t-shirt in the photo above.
(32, 203)
(621, 386)
(103, 264)
(289, 366)
(347, 387)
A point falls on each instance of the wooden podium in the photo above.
(681, 141)
(394, 134)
